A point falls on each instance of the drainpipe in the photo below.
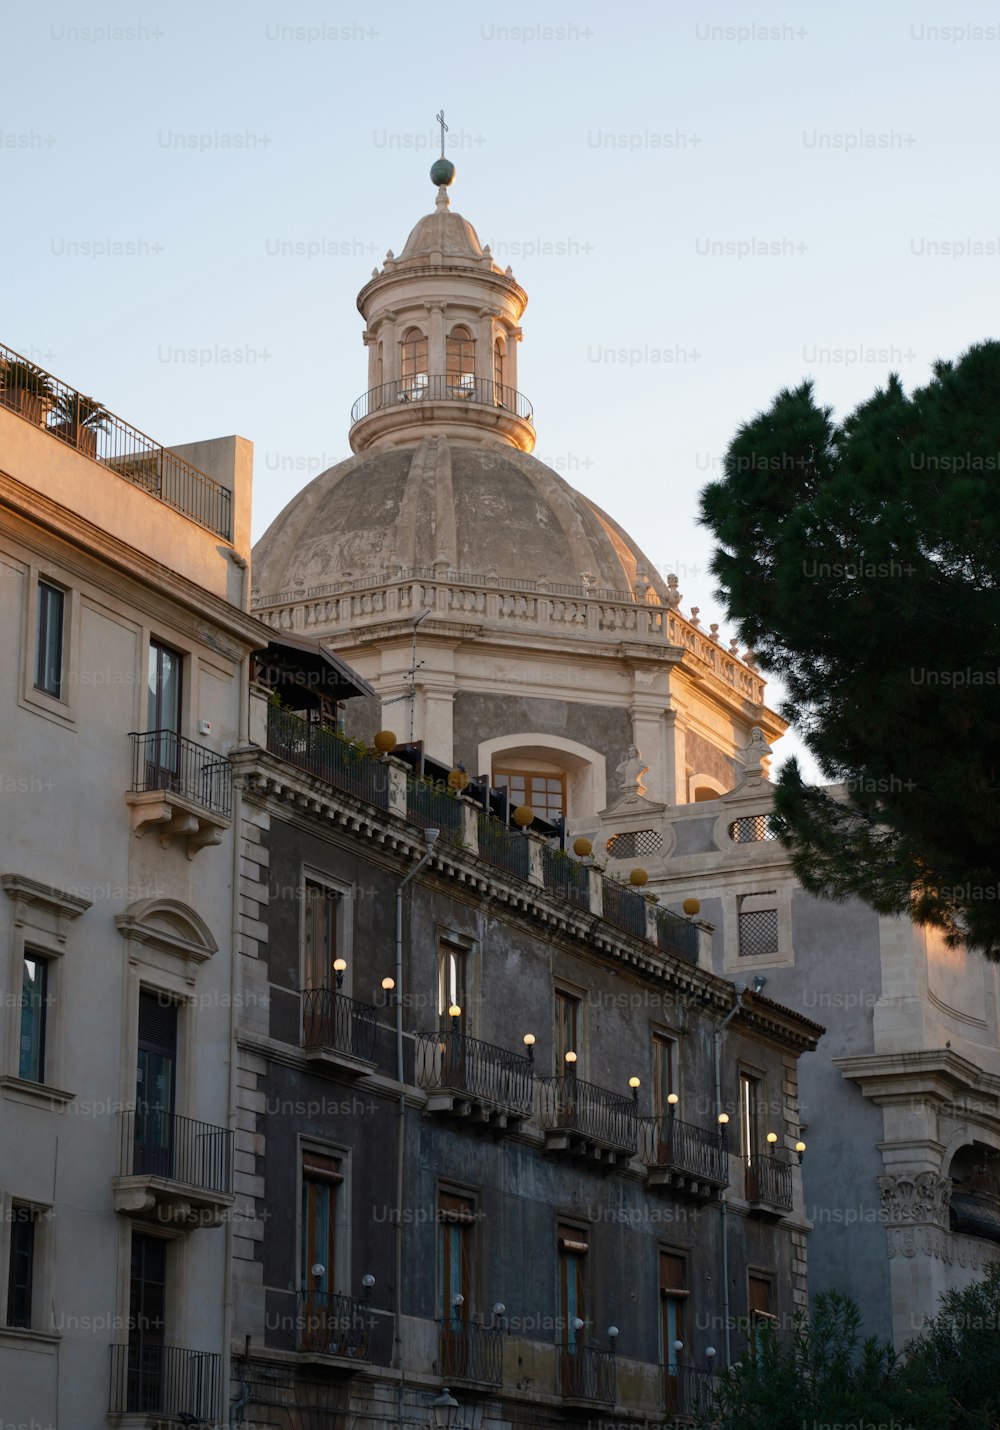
(430, 835)
(717, 1032)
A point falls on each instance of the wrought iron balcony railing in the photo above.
(688, 1389)
(587, 1373)
(80, 422)
(333, 1325)
(565, 876)
(332, 1021)
(769, 1181)
(326, 755)
(699, 1152)
(624, 907)
(567, 1103)
(155, 1143)
(676, 935)
(454, 1062)
(470, 1351)
(151, 1378)
(506, 848)
(432, 387)
(431, 805)
(164, 760)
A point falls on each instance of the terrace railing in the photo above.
(431, 806)
(565, 876)
(450, 387)
(506, 848)
(453, 1062)
(164, 760)
(624, 907)
(676, 935)
(326, 755)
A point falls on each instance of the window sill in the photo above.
(35, 1094)
(17, 1337)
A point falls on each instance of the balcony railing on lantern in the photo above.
(587, 1373)
(164, 760)
(565, 876)
(470, 1351)
(453, 1062)
(688, 1389)
(568, 1104)
(696, 1152)
(506, 848)
(80, 422)
(326, 755)
(768, 1181)
(338, 1024)
(432, 806)
(155, 1143)
(624, 907)
(153, 1379)
(332, 1325)
(451, 387)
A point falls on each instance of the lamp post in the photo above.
(635, 1085)
(529, 1044)
(340, 968)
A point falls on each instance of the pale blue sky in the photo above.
(629, 139)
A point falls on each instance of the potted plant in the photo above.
(26, 389)
(78, 421)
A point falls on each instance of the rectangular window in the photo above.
(321, 914)
(163, 715)
(759, 1300)
(574, 1301)
(321, 1178)
(758, 925)
(49, 639)
(453, 986)
(545, 793)
(34, 990)
(147, 1323)
(673, 1299)
(156, 1062)
(22, 1266)
(456, 1227)
(664, 1050)
(566, 1037)
(749, 1115)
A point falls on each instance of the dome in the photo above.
(442, 232)
(473, 509)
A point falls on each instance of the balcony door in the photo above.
(324, 1330)
(456, 1223)
(153, 1153)
(163, 715)
(573, 1307)
(147, 1312)
(663, 1085)
(673, 1295)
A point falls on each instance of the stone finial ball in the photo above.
(638, 877)
(582, 847)
(385, 741)
(691, 907)
(442, 172)
(523, 815)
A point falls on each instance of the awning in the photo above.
(292, 663)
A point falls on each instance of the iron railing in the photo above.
(454, 1062)
(688, 1389)
(164, 760)
(425, 387)
(567, 1103)
(505, 848)
(343, 1025)
(470, 1351)
(150, 1378)
(752, 828)
(587, 1373)
(565, 876)
(80, 422)
(699, 1151)
(155, 1143)
(768, 1181)
(328, 756)
(676, 935)
(624, 907)
(333, 1325)
(432, 806)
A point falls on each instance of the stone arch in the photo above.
(585, 768)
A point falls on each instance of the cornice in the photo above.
(934, 1073)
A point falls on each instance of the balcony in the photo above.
(327, 755)
(165, 1383)
(688, 1390)
(433, 806)
(84, 424)
(587, 1375)
(339, 1031)
(476, 1081)
(179, 788)
(565, 876)
(452, 402)
(328, 1324)
(172, 1169)
(624, 907)
(768, 1184)
(502, 847)
(587, 1122)
(470, 1352)
(689, 1159)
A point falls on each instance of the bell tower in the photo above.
(442, 324)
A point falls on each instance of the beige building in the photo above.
(513, 627)
(124, 658)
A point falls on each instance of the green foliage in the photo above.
(75, 410)
(861, 562)
(958, 1355)
(22, 376)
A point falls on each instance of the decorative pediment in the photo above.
(43, 906)
(168, 926)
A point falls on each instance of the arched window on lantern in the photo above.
(413, 369)
(499, 369)
(460, 356)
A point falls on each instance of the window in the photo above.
(759, 1300)
(574, 1301)
(163, 716)
(34, 989)
(545, 793)
(153, 1153)
(664, 1051)
(414, 361)
(499, 369)
(566, 1034)
(21, 1276)
(147, 1323)
(453, 985)
(321, 918)
(321, 1177)
(49, 640)
(673, 1298)
(460, 360)
(749, 1115)
(456, 1225)
(758, 925)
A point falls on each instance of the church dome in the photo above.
(444, 233)
(478, 510)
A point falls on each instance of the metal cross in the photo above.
(440, 119)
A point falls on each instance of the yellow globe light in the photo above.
(523, 815)
(385, 741)
(457, 780)
(582, 847)
(571, 1058)
(638, 877)
(528, 1040)
(691, 907)
(772, 1137)
(723, 1119)
(454, 1011)
(388, 984)
(633, 1083)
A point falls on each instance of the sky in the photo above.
(706, 202)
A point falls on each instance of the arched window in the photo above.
(460, 357)
(414, 362)
(499, 369)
